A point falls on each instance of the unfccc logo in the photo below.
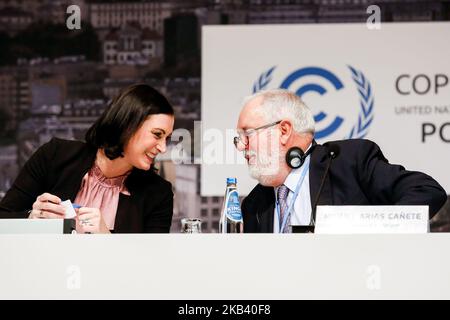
(327, 128)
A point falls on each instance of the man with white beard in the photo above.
(276, 134)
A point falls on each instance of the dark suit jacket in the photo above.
(59, 166)
(360, 175)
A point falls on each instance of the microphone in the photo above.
(333, 150)
(333, 153)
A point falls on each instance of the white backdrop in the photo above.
(318, 59)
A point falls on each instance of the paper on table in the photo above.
(70, 211)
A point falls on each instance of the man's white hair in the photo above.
(278, 104)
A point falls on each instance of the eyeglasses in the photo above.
(243, 135)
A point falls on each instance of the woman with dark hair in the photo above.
(110, 176)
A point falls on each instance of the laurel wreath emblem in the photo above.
(366, 101)
(263, 80)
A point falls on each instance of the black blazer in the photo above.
(59, 166)
(360, 175)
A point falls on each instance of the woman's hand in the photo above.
(47, 206)
(90, 220)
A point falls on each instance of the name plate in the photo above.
(371, 219)
(34, 226)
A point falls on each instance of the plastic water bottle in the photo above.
(231, 216)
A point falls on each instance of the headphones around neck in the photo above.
(295, 157)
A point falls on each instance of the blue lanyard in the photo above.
(297, 190)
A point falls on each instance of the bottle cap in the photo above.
(231, 180)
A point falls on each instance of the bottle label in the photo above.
(233, 207)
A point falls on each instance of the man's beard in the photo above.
(266, 167)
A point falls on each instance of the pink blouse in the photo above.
(98, 191)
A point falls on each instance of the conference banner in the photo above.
(389, 85)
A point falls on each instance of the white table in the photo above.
(214, 266)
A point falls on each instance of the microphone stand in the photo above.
(312, 223)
